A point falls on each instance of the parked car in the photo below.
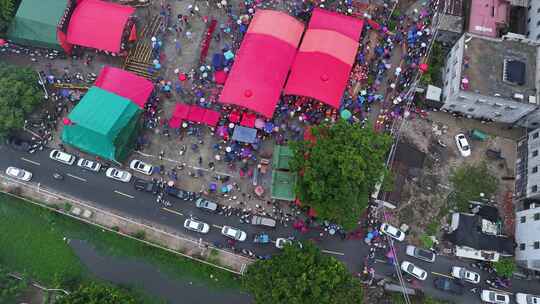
(197, 226)
(449, 285)
(19, 173)
(206, 205)
(118, 174)
(421, 254)
(178, 193)
(491, 296)
(146, 186)
(140, 166)
(524, 298)
(392, 232)
(18, 143)
(89, 164)
(466, 275)
(62, 157)
(263, 221)
(234, 233)
(463, 145)
(414, 270)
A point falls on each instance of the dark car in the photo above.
(448, 285)
(146, 185)
(178, 193)
(18, 143)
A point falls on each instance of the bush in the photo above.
(140, 235)
(469, 181)
(427, 241)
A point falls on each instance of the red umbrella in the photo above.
(182, 77)
(2, 42)
(67, 121)
(423, 67)
(220, 77)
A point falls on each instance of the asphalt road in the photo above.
(97, 188)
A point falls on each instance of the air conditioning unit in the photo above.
(532, 99)
(518, 96)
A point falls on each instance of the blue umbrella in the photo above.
(268, 127)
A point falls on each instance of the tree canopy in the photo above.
(95, 293)
(469, 181)
(7, 10)
(505, 267)
(19, 95)
(338, 171)
(302, 275)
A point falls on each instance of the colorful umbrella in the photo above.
(346, 114)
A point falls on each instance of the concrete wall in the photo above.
(527, 234)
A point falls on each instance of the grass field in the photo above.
(32, 242)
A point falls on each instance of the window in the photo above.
(537, 216)
(536, 245)
(534, 188)
(538, 23)
(522, 219)
(470, 109)
(535, 169)
(538, 11)
(535, 135)
(535, 153)
(522, 246)
(538, 37)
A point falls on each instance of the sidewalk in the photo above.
(154, 234)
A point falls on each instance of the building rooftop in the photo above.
(486, 16)
(499, 68)
(452, 7)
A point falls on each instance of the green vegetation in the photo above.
(427, 241)
(339, 170)
(10, 288)
(7, 11)
(19, 95)
(302, 275)
(32, 242)
(469, 181)
(98, 293)
(436, 64)
(505, 267)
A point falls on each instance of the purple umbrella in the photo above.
(268, 127)
(222, 131)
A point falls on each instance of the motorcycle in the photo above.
(58, 176)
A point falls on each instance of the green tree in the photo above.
(10, 288)
(7, 10)
(469, 181)
(505, 267)
(95, 293)
(19, 95)
(302, 275)
(338, 171)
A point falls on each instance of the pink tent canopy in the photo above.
(262, 62)
(325, 58)
(125, 84)
(98, 24)
(181, 111)
(211, 118)
(248, 120)
(196, 114)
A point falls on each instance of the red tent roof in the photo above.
(196, 114)
(98, 24)
(125, 84)
(211, 118)
(325, 58)
(262, 62)
(181, 112)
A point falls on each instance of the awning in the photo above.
(98, 24)
(126, 84)
(211, 118)
(181, 111)
(196, 114)
(245, 135)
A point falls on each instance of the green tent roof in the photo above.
(36, 21)
(283, 184)
(104, 124)
(280, 157)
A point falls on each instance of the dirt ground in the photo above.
(425, 193)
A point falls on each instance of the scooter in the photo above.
(58, 176)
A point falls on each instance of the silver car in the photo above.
(234, 233)
(19, 173)
(206, 205)
(421, 254)
(88, 164)
(118, 174)
(196, 226)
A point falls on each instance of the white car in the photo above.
(142, 167)
(19, 173)
(463, 145)
(281, 242)
(62, 157)
(524, 298)
(118, 174)
(196, 226)
(233, 233)
(88, 164)
(466, 275)
(392, 232)
(413, 270)
(421, 254)
(491, 296)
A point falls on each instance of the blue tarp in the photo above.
(245, 135)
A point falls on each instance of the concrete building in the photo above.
(451, 22)
(528, 237)
(493, 79)
(533, 20)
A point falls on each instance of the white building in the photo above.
(533, 20)
(528, 237)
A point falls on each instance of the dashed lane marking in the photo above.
(76, 177)
(30, 161)
(122, 193)
(332, 252)
(172, 211)
(217, 226)
(441, 274)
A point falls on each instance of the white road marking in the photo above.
(30, 161)
(442, 274)
(76, 177)
(216, 226)
(172, 211)
(122, 193)
(332, 252)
